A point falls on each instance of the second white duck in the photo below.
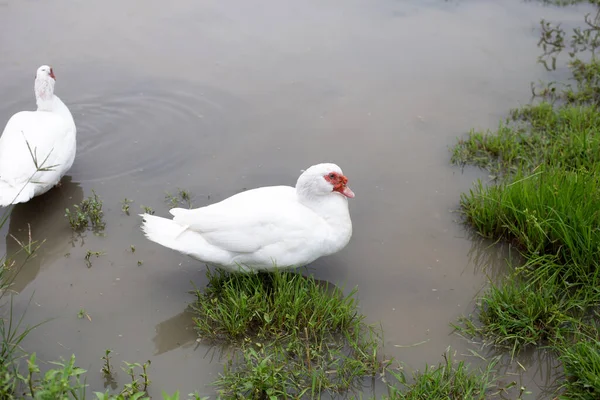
(264, 228)
(37, 148)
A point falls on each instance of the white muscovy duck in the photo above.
(47, 135)
(264, 228)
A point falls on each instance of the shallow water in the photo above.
(218, 96)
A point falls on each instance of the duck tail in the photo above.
(162, 230)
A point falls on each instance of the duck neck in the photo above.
(333, 208)
(44, 93)
(46, 100)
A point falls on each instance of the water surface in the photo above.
(218, 96)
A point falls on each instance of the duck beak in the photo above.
(52, 73)
(345, 190)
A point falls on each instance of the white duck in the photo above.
(46, 136)
(264, 228)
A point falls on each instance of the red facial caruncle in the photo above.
(339, 184)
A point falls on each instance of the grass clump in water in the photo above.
(581, 363)
(88, 213)
(447, 380)
(271, 305)
(547, 204)
(294, 336)
(538, 135)
(182, 198)
(552, 215)
(518, 314)
(552, 212)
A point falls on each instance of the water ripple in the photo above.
(140, 130)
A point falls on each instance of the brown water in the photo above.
(216, 96)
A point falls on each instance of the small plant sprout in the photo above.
(140, 262)
(135, 387)
(82, 313)
(147, 210)
(132, 248)
(171, 200)
(106, 367)
(125, 205)
(89, 254)
(183, 198)
(87, 213)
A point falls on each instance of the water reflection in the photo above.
(41, 221)
(533, 367)
(492, 258)
(179, 330)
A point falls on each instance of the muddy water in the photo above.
(218, 96)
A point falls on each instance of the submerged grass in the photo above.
(293, 335)
(546, 202)
(88, 213)
(520, 313)
(272, 306)
(581, 363)
(447, 380)
(535, 136)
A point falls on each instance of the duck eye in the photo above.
(331, 176)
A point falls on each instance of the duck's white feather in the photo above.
(257, 229)
(43, 137)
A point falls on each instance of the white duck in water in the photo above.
(46, 135)
(264, 228)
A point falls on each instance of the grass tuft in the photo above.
(88, 213)
(545, 202)
(272, 306)
(447, 380)
(520, 313)
(581, 363)
(293, 335)
(536, 135)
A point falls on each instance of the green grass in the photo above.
(88, 257)
(183, 198)
(447, 380)
(535, 136)
(125, 205)
(553, 212)
(88, 213)
(519, 313)
(273, 306)
(291, 335)
(581, 363)
(545, 201)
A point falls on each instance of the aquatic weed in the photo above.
(183, 197)
(289, 331)
(89, 254)
(125, 205)
(87, 213)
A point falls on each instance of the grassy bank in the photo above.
(545, 201)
